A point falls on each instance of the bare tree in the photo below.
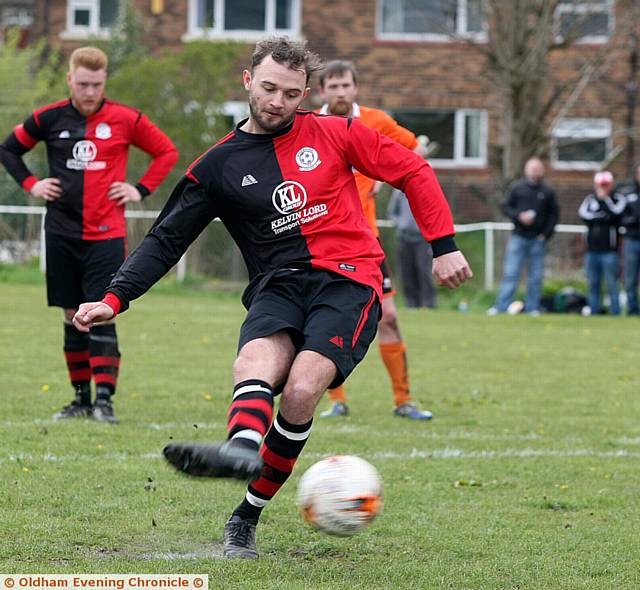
(522, 36)
(632, 87)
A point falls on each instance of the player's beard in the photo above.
(340, 107)
(262, 121)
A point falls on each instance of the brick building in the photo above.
(417, 62)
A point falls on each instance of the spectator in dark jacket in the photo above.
(533, 208)
(631, 244)
(601, 211)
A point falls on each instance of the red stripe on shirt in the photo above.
(23, 137)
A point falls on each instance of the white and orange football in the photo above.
(340, 495)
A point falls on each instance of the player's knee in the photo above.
(299, 397)
(242, 365)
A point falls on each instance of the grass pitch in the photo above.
(526, 478)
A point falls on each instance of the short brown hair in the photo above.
(92, 58)
(293, 54)
(338, 67)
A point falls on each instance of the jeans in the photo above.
(519, 251)
(599, 265)
(631, 272)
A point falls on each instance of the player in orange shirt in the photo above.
(339, 88)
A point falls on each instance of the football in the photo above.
(340, 495)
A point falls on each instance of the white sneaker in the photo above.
(492, 311)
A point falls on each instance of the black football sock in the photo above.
(76, 354)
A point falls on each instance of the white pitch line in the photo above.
(342, 428)
(445, 453)
(150, 425)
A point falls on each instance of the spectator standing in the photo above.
(533, 208)
(414, 254)
(601, 211)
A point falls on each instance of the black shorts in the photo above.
(80, 270)
(322, 311)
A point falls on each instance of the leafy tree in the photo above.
(29, 78)
(125, 44)
(183, 93)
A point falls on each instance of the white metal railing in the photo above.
(488, 227)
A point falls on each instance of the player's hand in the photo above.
(123, 193)
(48, 189)
(92, 314)
(451, 270)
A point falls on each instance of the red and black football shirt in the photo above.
(289, 199)
(88, 154)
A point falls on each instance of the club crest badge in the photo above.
(307, 159)
(103, 131)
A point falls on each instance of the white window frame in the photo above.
(17, 16)
(217, 32)
(592, 7)
(94, 29)
(580, 129)
(237, 109)
(460, 32)
(459, 160)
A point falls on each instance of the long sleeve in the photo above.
(381, 158)
(157, 144)
(187, 212)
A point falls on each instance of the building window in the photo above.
(461, 135)
(580, 144)
(16, 16)
(91, 17)
(235, 111)
(243, 19)
(431, 20)
(589, 21)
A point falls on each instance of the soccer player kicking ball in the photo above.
(88, 138)
(282, 184)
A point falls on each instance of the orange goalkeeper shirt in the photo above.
(385, 124)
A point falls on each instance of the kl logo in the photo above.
(85, 151)
(289, 196)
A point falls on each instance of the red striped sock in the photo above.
(76, 355)
(280, 451)
(104, 358)
(250, 413)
